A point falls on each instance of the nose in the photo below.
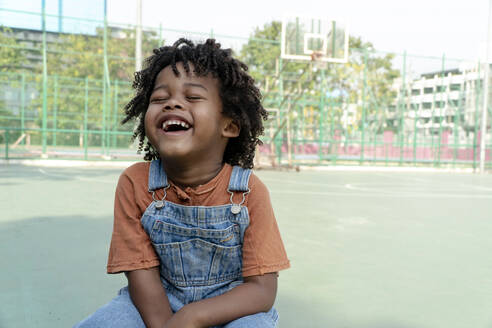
(172, 103)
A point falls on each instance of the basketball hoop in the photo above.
(317, 60)
(304, 35)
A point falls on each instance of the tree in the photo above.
(12, 59)
(12, 56)
(364, 83)
(343, 82)
(76, 60)
(78, 55)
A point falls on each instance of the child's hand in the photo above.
(182, 319)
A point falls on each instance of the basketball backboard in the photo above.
(303, 37)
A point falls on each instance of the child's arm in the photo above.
(149, 296)
(256, 294)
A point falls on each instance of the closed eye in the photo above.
(194, 97)
(157, 100)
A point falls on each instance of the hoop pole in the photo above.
(45, 82)
(138, 38)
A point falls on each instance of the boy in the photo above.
(194, 230)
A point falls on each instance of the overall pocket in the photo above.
(197, 256)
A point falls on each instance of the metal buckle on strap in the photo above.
(236, 208)
(160, 203)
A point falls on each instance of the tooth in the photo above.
(166, 124)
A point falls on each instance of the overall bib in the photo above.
(200, 253)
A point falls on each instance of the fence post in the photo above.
(86, 109)
(109, 128)
(363, 117)
(55, 108)
(486, 90)
(321, 116)
(440, 112)
(478, 88)
(278, 145)
(403, 94)
(60, 16)
(106, 80)
(433, 107)
(415, 134)
(375, 137)
(6, 143)
(333, 147)
(115, 113)
(23, 103)
(45, 81)
(457, 112)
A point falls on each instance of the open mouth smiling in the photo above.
(175, 125)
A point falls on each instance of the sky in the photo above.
(424, 27)
(456, 28)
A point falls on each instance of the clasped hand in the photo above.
(184, 318)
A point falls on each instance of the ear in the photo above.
(231, 129)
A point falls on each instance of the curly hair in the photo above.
(241, 99)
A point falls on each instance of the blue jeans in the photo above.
(121, 313)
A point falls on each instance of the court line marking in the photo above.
(74, 177)
(392, 188)
(379, 189)
(411, 179)
(318, 184)
(420, 180)
(413, 189)
(379, 194)
(481, 188)
(423, 182)
(374, 192)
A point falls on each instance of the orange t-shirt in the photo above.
(131, 248)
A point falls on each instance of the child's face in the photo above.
(184, 120)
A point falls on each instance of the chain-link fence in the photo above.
(64, 84)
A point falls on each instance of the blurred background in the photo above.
(394, 84)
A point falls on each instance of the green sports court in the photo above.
(368, 248)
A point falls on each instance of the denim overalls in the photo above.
(200, 250)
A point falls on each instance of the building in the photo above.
(440, 102)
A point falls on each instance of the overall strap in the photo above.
(157, 176)
(239, 179)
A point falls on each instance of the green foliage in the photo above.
(81, 56)
(77, 58)
(263, 50)
(74, 61)
(365, 80)
(76, 80)
(12, 56)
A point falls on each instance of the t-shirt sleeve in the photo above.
(130, 247)
(263, 249)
